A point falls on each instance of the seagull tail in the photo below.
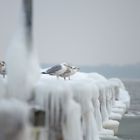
(43, 73)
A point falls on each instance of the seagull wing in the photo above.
(54, 69)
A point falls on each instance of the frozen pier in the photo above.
(40, 107)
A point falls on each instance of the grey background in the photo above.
(90, 32)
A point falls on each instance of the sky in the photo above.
(84, 32)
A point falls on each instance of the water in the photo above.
(130, 125)
(133, 86)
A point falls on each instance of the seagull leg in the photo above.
(69, 77)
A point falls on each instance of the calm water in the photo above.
(129, 128)
(133, 86)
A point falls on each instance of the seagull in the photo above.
(3, 68)
(57, 70)
(71, 70)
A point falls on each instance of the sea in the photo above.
(133, 87)
(129, 128)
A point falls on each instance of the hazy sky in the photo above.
(79, 31)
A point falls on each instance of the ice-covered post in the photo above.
(63, 114)
(22, 64)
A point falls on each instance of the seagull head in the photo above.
(2, 63)
(75, 68)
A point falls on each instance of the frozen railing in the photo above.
(82, 108)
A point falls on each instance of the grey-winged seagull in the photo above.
(57, 70)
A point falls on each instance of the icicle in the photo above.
(72, 127)
(102, 99)
(55, 96)
(83, 95)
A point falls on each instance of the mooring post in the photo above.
(27, 19)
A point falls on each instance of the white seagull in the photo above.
(71, 70)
